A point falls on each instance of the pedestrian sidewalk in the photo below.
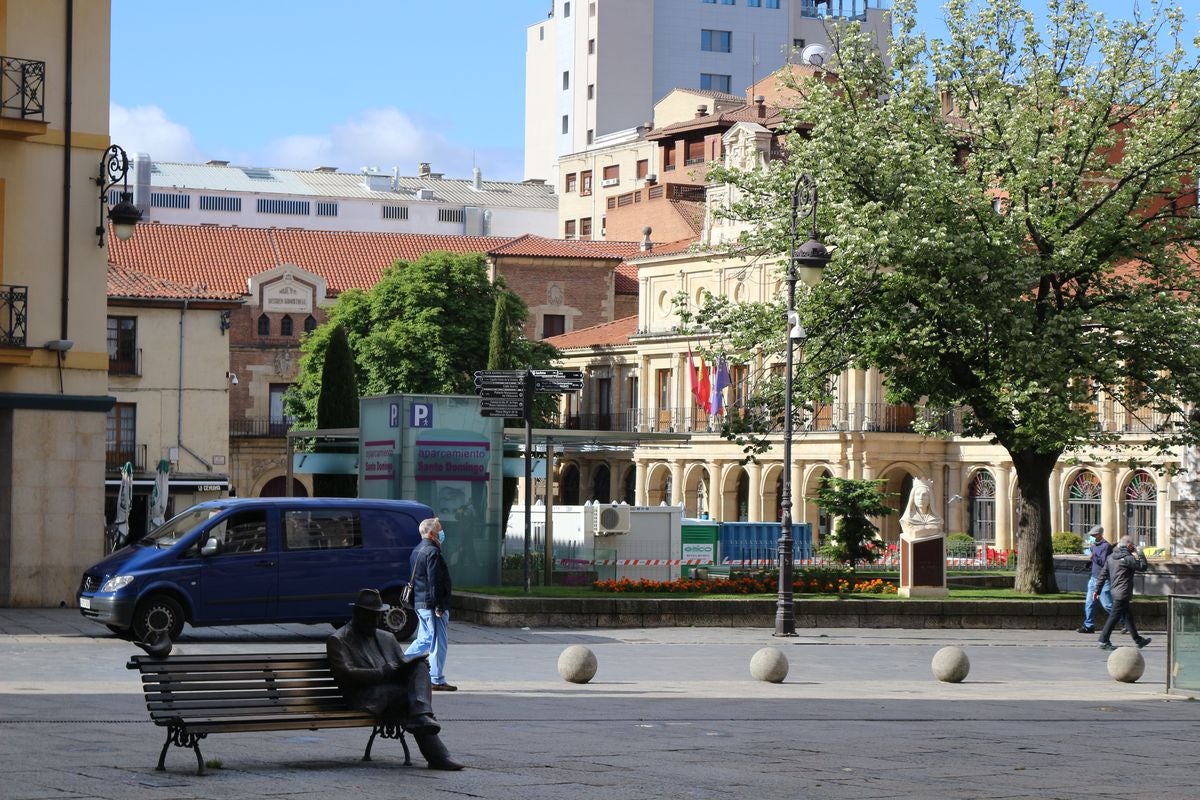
(672, 712)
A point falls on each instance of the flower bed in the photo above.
(817, 581)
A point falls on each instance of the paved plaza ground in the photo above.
(672, 713)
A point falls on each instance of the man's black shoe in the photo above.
(444, 687)
(1142, 642)
(1107, 646)
(1085, 629)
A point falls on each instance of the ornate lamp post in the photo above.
(807, 259)
(114, 167)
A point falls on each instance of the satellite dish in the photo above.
(815, 54)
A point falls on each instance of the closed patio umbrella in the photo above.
(158, 496)
(124, 503)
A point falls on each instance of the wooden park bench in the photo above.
(195, 695)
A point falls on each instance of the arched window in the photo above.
(983, 507)
(264, 325)
(631, 486)
(1083, 503)
(743, 497)
(285, 325)
(601, 484)
(1141, 509)
(568, 486)
(310, 323)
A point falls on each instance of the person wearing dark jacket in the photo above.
(1118, 573)
(431, 598)
(1100, 552)
(376, 676)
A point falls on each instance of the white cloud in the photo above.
(386, 138)
(376, 137)
(146, 129)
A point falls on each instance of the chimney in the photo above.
(647, 245)
(325, 169)
(142, 167)
(423, 169)
(701, 110)
(761, 106)
(477, 179)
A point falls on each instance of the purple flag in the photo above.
(719, 381)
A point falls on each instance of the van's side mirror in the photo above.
(211, 547)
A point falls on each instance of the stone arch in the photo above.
(658, 483)
(735, 494)
(1081, 499)
(568, 484)
(697, 490)
(273, 483)
(601, 489)
(771, 477)
(1139, 507)
(627, 485)
(822, 522)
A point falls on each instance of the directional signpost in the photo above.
(509, 394)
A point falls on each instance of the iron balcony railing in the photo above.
(117, 455)
(129, 365)
(259, 427)
(22, 88)
(13, 315)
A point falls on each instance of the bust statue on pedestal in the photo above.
(922, 545)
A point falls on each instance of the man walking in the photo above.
(1118, 573)
(431, 598)
(1100, 552)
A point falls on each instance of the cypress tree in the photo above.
(337, 407)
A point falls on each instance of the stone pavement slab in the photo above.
(671, 713)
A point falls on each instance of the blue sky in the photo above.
(385, 83)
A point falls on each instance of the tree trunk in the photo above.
(1035, 558)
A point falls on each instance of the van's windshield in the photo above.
(177, 527)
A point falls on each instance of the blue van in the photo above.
(242, 561)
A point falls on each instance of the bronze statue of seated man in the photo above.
(374, 675)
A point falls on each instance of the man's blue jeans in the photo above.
(431, 639)
(1089, 603)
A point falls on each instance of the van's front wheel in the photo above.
(158, 613)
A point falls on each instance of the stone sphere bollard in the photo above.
(951, 665)
(769, 664)
(1126, 664)
(577, 664)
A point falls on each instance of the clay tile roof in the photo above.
(668, 249)
(223, 258)
(530, 245)
(773, 117)
(611, 334)
(129, 283)
(625, 279)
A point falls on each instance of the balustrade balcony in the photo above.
(14, 320)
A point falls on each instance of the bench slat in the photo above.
(185, 707)
(312, 722)
(171, 687)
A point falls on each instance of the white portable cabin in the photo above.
(614, 540)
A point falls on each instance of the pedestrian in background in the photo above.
(1100, 552)
(431, 598)
(1118, 572)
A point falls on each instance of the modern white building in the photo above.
(372, 200)
(593, 67)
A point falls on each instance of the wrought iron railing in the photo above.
(22, 88)
(259, 427)
(14, 319)
(117, 455)
(130, 365)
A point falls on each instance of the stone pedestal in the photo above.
(923, 566)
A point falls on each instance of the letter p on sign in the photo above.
(421, 415)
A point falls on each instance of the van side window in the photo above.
(242, 532)
(390, 528)
(322, 529)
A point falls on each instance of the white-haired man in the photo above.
(431, 598)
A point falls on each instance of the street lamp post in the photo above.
(810, 258)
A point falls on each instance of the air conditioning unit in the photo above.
(610, 181)
(611, 519)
